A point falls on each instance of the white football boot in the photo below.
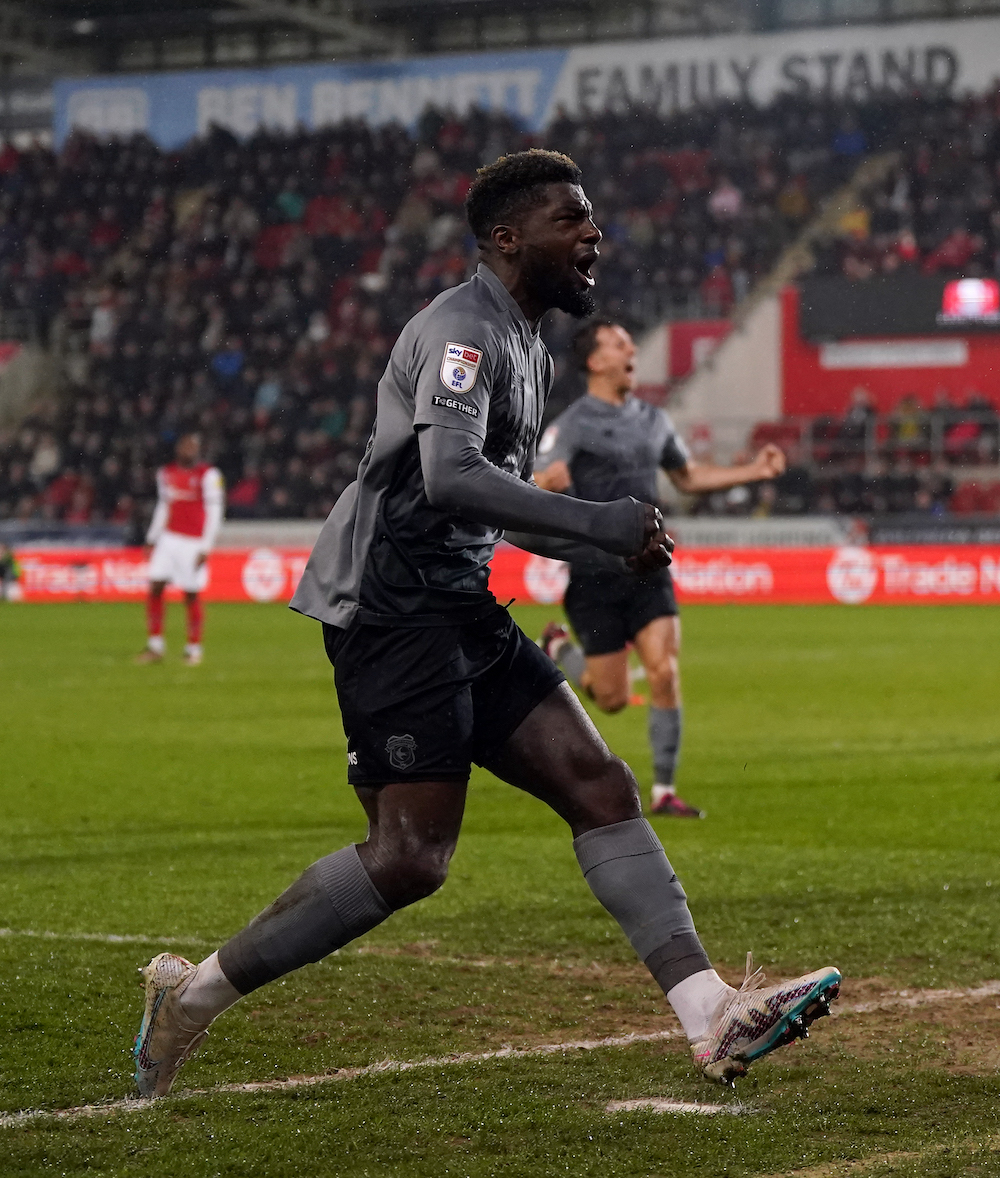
(758, 1018)
(166, 1039)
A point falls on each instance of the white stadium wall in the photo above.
(721, 386)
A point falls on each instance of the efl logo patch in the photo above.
(460, 367)
(451, 403)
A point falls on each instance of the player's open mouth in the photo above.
(582, 267)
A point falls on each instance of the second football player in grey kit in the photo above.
(608, 444)
(432, 673)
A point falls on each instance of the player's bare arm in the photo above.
(698, 478)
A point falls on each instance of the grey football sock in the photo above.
(628, 871)
(665, 737)
(571, 661)
(331, 903)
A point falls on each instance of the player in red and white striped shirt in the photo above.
(187, 518)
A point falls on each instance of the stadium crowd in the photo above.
(253, 289)
(866, 463)
(938, 209)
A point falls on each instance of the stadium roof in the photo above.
(48, 37)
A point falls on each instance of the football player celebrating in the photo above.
(606, 444)
(187, 519)
(432, 673)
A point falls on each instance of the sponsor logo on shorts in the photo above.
(451, 403)
(402, 751)
(352, 758)
(460, 366)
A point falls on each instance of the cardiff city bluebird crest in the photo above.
(402, 751)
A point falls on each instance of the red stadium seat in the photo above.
(967, 499)
(777, 433)
(990, 498)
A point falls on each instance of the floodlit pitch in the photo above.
(848, 761)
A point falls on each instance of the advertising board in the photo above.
(876, 575)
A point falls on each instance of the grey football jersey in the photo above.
(470, 361)
(612, 450)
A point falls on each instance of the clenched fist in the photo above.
(770, 462)
(657, 545)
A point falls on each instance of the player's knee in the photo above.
(419, 872)
(610, 699)
(664, 677)
(611, 793)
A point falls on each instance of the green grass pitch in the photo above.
(849, 762)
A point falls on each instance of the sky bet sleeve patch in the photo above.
(460, 367)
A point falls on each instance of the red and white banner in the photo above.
(907, 574)
(911, 575)
(121, 574)
(879, 575)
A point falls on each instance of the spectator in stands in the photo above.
(982, 410)
(903, 486)
(849, 140)
(857, 421)
(849, 488)
(794, 488)
(938, 481)
(725, 202)
(910, 428)
(717, 292)
(765, 501)
(877, 489)
(227, 363)
(793, 201)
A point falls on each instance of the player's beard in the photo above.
(560, 290)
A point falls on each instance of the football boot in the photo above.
(166, 1039)
(758, 1018)
(665, 801)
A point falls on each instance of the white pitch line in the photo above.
(131, 1104)
(911, 998)
(663, 1104)
(902, 998)
(104, 938)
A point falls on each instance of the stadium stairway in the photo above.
(29, 378)
(798, 258)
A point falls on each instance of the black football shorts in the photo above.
(423, 704)
(608, 609)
